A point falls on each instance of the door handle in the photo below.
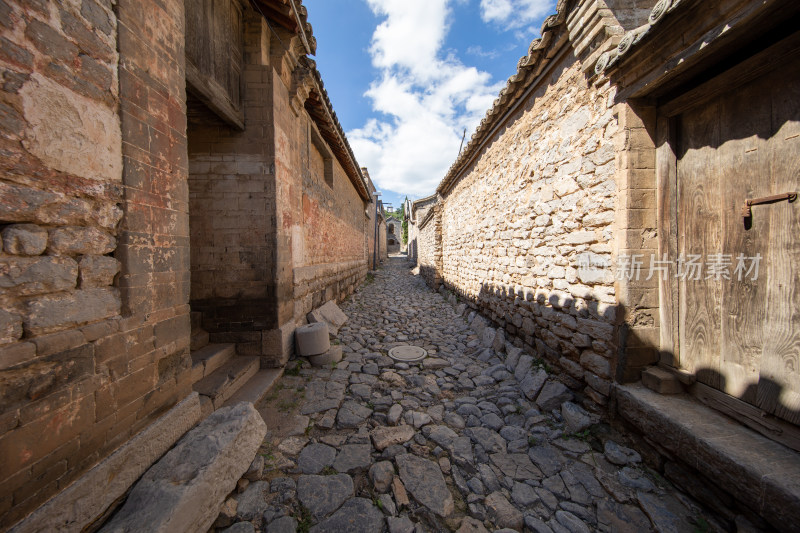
(747, 212)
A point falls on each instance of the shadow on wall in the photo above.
(596, 338)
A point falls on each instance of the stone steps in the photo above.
(209, 358)
(257, 387)
(221, 384)
(199, 339)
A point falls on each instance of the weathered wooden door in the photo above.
(739, 311)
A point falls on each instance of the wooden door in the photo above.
(739, 332)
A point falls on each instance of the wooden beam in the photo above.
(280, 13)
(213, 96)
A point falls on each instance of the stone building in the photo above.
(167, 165)
(415, 213)
(622, 150)
(394, 235)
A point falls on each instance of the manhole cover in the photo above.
(407, 354)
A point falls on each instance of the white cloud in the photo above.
(480, 52)
(427, 98)
(515, 13)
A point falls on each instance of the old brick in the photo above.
(12, 124)
(97, 16)
(24, 239)
(13, 81)
(15, 354)
(50, 42)
(96, 73)
(173, 329)
(30, 442)
(58, 342)
(97, 271)
(129, 389)
(15, 54)
(75, 240)
(25, 276)
(84, 36)
(54, 312)
(92, 332)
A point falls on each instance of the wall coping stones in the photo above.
(529, 68)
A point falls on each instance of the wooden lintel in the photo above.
(213, 96)
(280, 13)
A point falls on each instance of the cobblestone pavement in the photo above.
(477, 437)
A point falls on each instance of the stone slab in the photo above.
(91, 495)
(184, 491)
(330, 314)
(760, 472)
(425, 482)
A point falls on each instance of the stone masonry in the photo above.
(97, 183)
(520, 219)
(477, 437)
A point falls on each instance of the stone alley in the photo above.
(547, 287)
(477, 436)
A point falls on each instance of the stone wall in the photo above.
(429, 242)
(94, 327)
(418, 210)
(536, 202)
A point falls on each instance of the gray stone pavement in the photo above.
(477, 437)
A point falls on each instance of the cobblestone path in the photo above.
(454, 443)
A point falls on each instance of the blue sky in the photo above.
(406, 77)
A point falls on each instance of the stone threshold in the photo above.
(761, 473)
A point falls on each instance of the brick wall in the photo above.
(93, 269)
(328, 244)
(537, 202)
(232, 207)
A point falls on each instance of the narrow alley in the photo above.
(453, 442)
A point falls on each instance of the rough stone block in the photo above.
(71, 133)
(532, 383)
(184, 490)
(51, 313)
(596, 363)
(81, 503)
(661, 381)
(329, 314)
(553, 395)
(24, 239)
(97, 271)
(26, 276)
(77, 240)
(10, 327)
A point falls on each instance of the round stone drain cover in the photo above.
(407, 354)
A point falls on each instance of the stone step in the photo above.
(196, 318)
(209, 358)
(221, 384)
(199, 339)
(661, 381)
(257, 387)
